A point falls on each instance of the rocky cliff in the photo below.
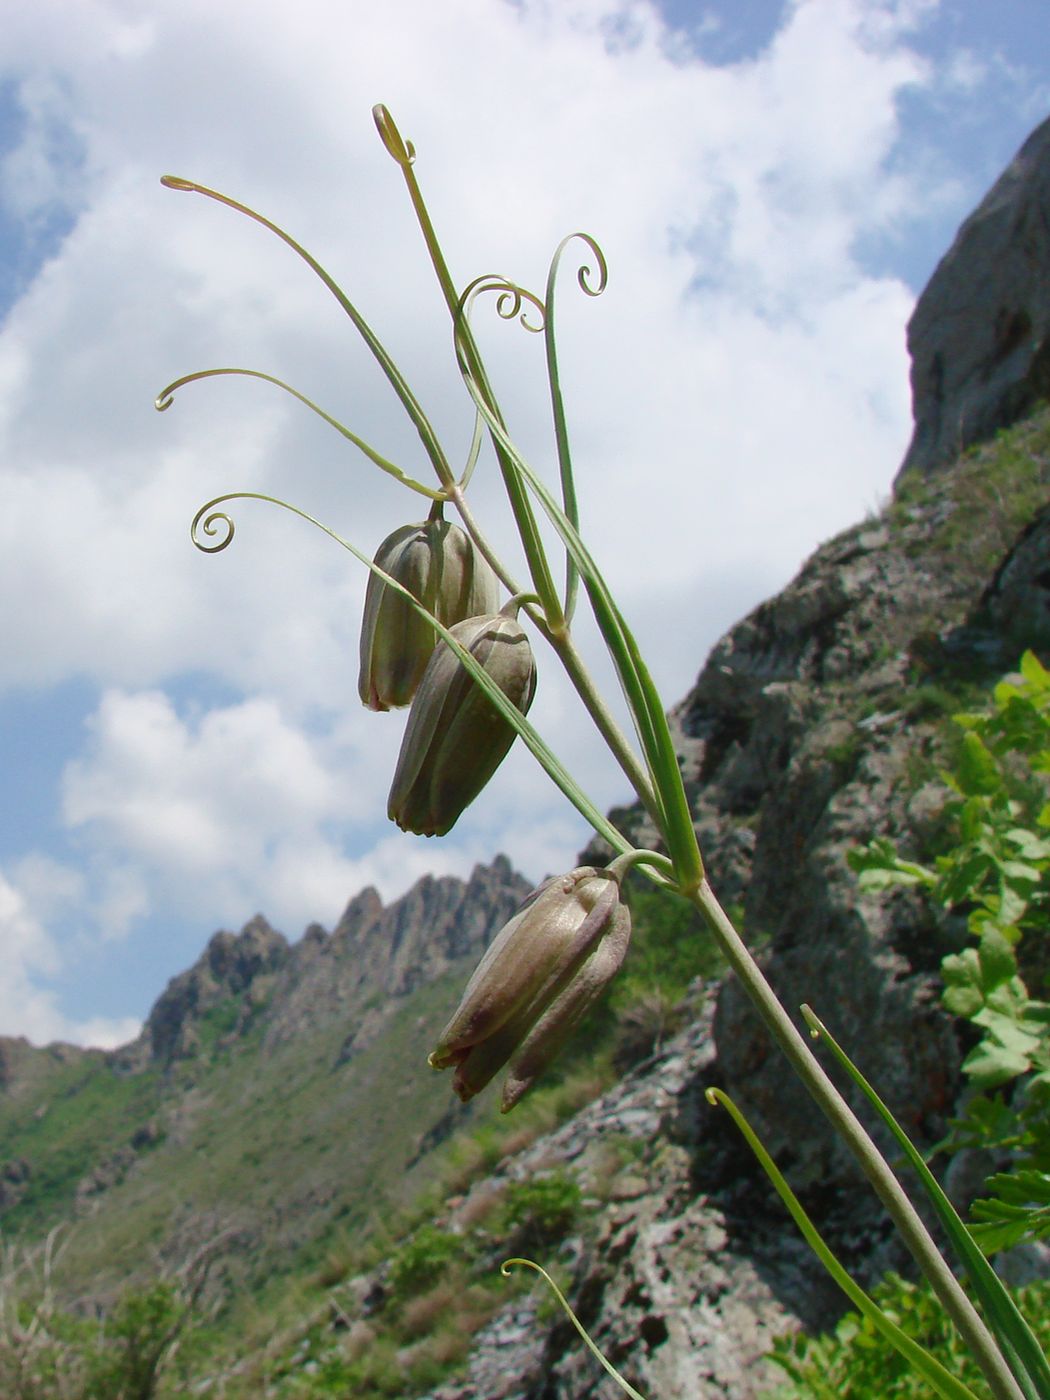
(980, 335)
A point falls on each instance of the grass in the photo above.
(984, 501)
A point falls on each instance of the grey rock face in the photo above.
(378, 953)
(1018, 599)
(980, 334)
(229, 966)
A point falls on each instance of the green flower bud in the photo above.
(538, 977)
(455, 738)
(439, 565)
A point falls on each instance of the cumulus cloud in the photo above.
(27, 1007)
(740, 387)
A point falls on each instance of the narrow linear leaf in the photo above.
(1022, 1350)
(928, 1366)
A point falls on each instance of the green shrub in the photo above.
(854, 1362)
(540, 1210)
(423, 1258)
(995, 871)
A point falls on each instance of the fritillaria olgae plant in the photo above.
(436, 637)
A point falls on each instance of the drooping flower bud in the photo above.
(538, 977)
(455, 738)
(439, 565)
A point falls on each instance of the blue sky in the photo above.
(180, 736)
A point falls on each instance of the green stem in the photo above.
(404, 154)
(458, 498)
(852, 1131)
(577, 672)
(604, 722)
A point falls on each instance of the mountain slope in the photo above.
(275, 1089)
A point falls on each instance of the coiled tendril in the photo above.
(510, 301)
(208, 524)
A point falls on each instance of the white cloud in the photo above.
(738, 393)
(218, 812)
(759, 176)
(30, 956)
(216, 806)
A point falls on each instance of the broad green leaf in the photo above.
(996, 958)
(879, 866)
(963, 874)
(1018, 1209)
(977, 772)
(964, 991)
(1020, 872)
(988, 1065)
(1034, 672)
(1031, 846)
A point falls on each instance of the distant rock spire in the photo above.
(979, 337)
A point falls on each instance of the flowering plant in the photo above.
(434, 638)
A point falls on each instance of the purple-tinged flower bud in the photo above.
(538, 977)
(439, 565)
(455, 738)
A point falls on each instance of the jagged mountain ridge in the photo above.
(374, 954)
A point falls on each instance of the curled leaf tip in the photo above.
(813, 1021)
(176, 182)
(625, 1386)
(211, 523)
(163, 402)
(509, 1265)
(402, 151)
(714, 1097)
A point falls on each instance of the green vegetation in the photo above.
(991, 872)
(541, 1209)
(422, 1259)
(996, 874)
(984, 502)
(439, 1286)
(854, 1363)
(130, 1352)
(83, 1111)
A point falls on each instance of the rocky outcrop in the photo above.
(980, 334)
(375, 955)
(378, 954)
(226, 971)
(657, 1274)
(804, 737)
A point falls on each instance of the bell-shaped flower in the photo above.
(538, 977)
(456, 738)
(439, 565)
